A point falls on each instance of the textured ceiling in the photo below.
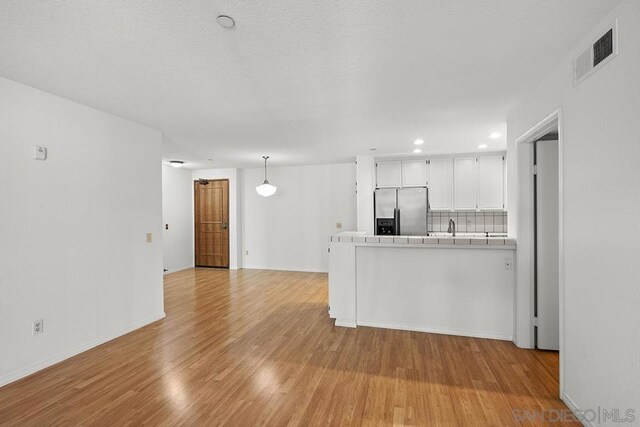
(305, 81)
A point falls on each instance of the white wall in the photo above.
(235, 209)
(600, 134)
(177, 213)
(290, 230)
(73, 247)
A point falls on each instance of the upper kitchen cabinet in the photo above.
(440, 184)
(414, 173)
(491, 182)
(389, 174)
(464, 183)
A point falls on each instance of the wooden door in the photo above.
(212, 223)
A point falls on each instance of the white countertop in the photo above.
(437, 239)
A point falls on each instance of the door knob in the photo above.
(224, 225)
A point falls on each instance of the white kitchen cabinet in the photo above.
(389, 174)
(490, 182)
(414, 173)
(464, 183)
(440, 172)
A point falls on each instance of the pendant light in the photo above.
(266, 189)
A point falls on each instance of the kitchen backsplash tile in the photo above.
(468, 222)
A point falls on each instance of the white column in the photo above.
(365, 176)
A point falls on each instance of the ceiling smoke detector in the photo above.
(226, 21)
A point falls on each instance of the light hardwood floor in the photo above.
(254, 347)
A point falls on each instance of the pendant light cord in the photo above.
(265, 168)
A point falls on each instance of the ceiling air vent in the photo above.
(599, 53)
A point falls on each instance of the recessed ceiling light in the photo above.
(419, 141)
(417, 150)
(226, 21)
(495, 135)
(176, 163)
(482, 146)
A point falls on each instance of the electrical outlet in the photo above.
(338, 225)
(508, 264)
(38, 327)
(246, 252)
(39, 152)
(149, 237)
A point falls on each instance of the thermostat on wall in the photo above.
(39, 152)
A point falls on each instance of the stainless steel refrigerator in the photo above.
(401, 211)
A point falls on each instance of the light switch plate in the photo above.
(149, 237)
(39, 152)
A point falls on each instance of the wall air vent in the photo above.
(599, 53)
(603, 48)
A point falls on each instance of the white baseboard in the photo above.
(303, 270)
(175, 270)
(415, 328)
(42, 364)
(345, 323)
(575, 409)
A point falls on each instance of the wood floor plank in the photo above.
(256, 347)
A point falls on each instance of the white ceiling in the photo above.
(305, 81)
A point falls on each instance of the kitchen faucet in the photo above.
(452, 227)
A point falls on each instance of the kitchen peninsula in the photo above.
(462, 285)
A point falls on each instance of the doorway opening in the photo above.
(211, 222)
(540, 238)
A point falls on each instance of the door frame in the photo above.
(195, 213)
(526, 234)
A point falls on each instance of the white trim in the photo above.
(175, 270)
(294, 270)
(66, 354)
(414, 328)
(541, 129)
(525, 228)
(346, 323)
(573, 407)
